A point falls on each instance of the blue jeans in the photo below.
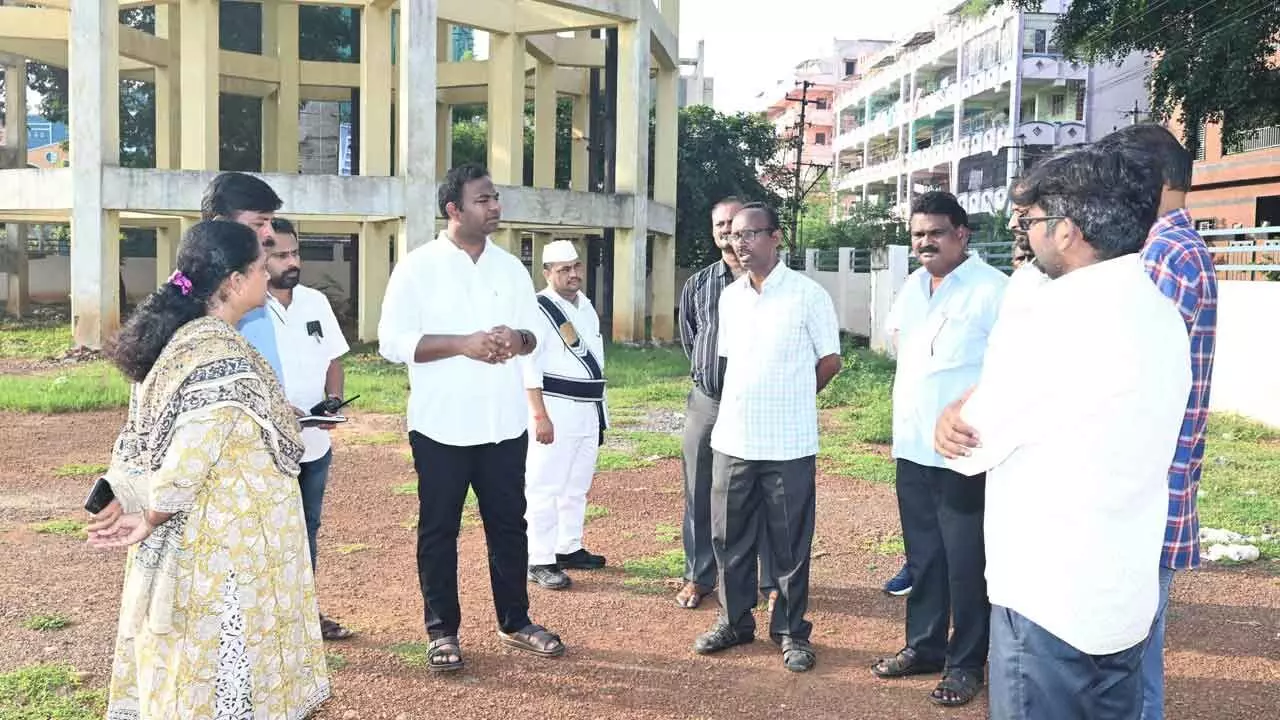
(1153, 655)
(311, 482)
(1036, 676)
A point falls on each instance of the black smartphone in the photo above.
(99, 497)
(331, 405)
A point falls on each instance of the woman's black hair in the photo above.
(210, 252)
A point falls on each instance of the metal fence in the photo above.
(1245, 253)
(998, 255)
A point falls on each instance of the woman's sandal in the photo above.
(957, 688)
(797, 655)
(534, 639)
(440, 650)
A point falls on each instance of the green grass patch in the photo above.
(351, 548)
(630, 450)
(667, 532)
(334, 661)
(641, 586)
(647, 575)
(43, 622)
(60, 527)
(48, 692)
(91, 386)
(845, 455)
(80, 469)
(410, 524)
(34, 342)
(374, 438)
(408, 488)
(1240, 483)
(865, 387)
(413, 654)
(383, 387)
(892, 545)
(595, 512)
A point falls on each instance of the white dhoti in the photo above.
(557, 479)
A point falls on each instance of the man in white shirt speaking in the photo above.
(311, 347)
(564, 379)
(942, 317)
(780, 345)
(457, 311)
(1077, 415)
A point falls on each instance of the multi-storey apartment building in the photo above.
(1236, 185)
(966, 103)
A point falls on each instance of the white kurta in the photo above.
(558, 476)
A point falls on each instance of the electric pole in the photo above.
(1134, 113)
(797, 192)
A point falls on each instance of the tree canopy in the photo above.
(719, 155)
(1212, 61)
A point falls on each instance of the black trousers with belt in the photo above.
(496, 472)
(942, 512)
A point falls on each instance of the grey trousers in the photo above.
(779, 495)
(699, 557)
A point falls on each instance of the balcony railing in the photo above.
(1261, 139)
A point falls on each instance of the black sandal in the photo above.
(905, 663)
(797, 655)
(962, 684)
(441, 648)
(534, 639)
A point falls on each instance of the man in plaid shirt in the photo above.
(1180, 265)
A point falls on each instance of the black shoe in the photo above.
(720, 637)
(549, 577)
(579, 559)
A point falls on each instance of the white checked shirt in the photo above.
(942, 337)
(305, 353)
(438, 290)
(772, 341)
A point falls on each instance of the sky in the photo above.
(759, 42)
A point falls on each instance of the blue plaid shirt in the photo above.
(1181, 266)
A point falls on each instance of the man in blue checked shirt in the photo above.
(1180, 265)
(249, 201)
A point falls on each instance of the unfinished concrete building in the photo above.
(616, 53)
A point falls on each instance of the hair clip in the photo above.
(182, 281)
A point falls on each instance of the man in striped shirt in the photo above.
(699, 328)
(1178, 261)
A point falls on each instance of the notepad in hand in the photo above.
(320, 420)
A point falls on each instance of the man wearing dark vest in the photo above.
(564, 379)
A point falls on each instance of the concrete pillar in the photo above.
(665, 141)
(375, 91)
(416, 123)
(632, 178)
(168, 238)
(13, 253)
(544, 126)
(95, 143)
(540, 240)
(444, 139)
(580, 159)
(280, 109)
(198, 70)
(506, 121)
(169, 90)
(374, 269)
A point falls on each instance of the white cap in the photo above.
(559, 251)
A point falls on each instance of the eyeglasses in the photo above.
(750, 235)
(1025, 222)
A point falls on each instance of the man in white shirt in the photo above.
(457, 311)
(564, 380)
(941, 318)
(1076, 415)
(311, 346)
(780, 345)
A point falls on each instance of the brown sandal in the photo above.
(331, 630)
(534, 639)
(691, 594)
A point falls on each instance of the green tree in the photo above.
(719, 155)
(865, 225)
(1212, 61)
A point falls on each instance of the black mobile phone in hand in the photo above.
(99, 497)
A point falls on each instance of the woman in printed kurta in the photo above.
(219, 619)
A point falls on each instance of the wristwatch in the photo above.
(527, 338)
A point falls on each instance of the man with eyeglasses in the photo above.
(941, 318)
(779, 346)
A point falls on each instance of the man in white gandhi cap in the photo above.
(564, 379)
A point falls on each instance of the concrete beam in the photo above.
(664, 44)
(20, 23)
(579, 52)
(615, 10)
(661, 217)
(263, 68)
(31, 189)
(168, 191)
(496, 16)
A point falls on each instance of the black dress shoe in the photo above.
(549, 577)
(579, 559)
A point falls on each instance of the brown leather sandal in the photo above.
(534, 639)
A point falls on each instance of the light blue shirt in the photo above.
(257, 328)
(941, 342)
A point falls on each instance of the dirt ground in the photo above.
(629, 652)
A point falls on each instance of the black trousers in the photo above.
(941, 512)
(496, 472)
(779, 495)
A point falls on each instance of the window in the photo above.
(1079, 106)
(316, 251)
(820, 138)
(51, 156)
(1040, 41)
(822, 104)
(1057, 105)
(1205, 224)
(850, 67)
